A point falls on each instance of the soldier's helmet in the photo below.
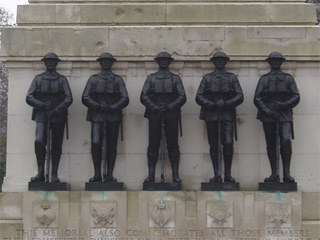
(275, 55)
(106, 56)
(164, 55)
(219, 55)
(51, 55)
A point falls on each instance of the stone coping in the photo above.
(131, 1)
(167, 13)
(185, 43)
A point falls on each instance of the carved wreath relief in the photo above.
(161, 214)
(45, 214)
(219, 214)
(278, 214)
(103, 214)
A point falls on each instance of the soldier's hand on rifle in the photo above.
(50, 114)
(163, 107)
(220, 104)
(274, 114)
(278, 106)
(104, 107)
(48, 106)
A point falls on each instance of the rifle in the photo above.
(48, 150)
(277, 146)
(163, 143)
(219, 145)
(104, 146)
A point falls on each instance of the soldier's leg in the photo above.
(212, 131)
(96, 150)
(286, 150)
(57, 140)
(112, 143)
(172, 132)
(153, 148)
(227, 142)
(40, 151)
(270, 135)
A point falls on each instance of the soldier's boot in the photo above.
(274, 175)
(40, 155)
(152, 169)
(286, 160)
(96, 158)
(111, 161)
(55, 166)
(217, 176)
(227, 167)
(175, 169)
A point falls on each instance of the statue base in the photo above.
(107, 186)
(48, 186)
(278, 187)
(152, 186)
(223, 186)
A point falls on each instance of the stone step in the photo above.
(168, 14)
(186, 43)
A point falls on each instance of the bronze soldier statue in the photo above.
(105, 95)
(275, 96)
(218, 95)
(163, 95)
(50, 96)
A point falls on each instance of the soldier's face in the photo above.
(51, 64)
(275, 63)
(164, 63)
(220, 63)
(106, 63)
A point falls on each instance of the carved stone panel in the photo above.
(278, 214)
(162, 214)
(45, 214)
(103, 214)
(219, 214)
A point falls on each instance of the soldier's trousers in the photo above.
(112, 132)
(57, 131)
(226, 141)
(171, 134)
(285, 143)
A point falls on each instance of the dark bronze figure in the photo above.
(276, 94)
(105, 95)
(218, 95)
(50, 96)
(163, 95)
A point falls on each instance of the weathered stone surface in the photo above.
(169, 13)
(129, 43)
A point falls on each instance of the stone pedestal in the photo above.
(50, 186)
(94, 186)
(152, 186)
(278, 187)
(215, 186)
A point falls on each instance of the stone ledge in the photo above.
(170, 13)
(134, 1)
(129, 43)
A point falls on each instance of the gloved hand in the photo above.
(220, 104)
(47, 106)
(273, 114)
(278, 106)
(104, 107)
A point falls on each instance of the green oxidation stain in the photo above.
(104, 195)
(219, 196)
(162, 198)
(46, 196)
(278, 196)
